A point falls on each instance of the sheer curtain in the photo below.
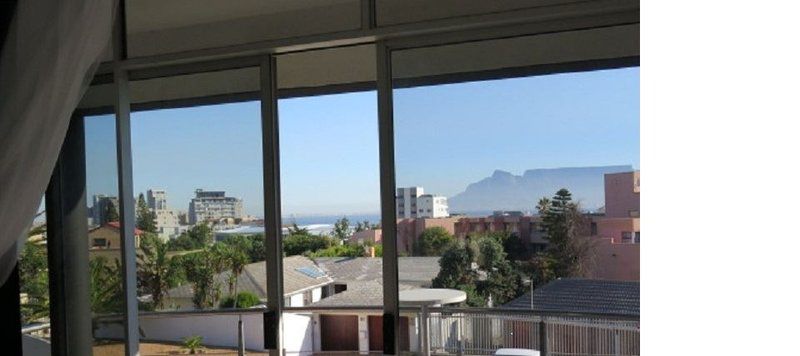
(49, 57)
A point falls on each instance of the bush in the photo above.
(193, 344)
(433, 241)
(243, 300)
(340, 251)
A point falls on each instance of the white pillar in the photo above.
(363, 334)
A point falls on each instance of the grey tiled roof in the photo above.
(577, 295)
(411, 270)
(254, 277)
(369, 293)
(364, 278)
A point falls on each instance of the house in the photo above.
(105, 241)
(303, 284)
(358, 283)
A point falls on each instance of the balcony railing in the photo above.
(451, 330)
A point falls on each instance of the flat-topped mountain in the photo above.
(506, 191)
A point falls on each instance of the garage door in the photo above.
(339, 332)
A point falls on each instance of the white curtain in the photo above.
(51, 53)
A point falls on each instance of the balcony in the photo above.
(452, 331)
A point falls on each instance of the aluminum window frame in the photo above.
(262, 54)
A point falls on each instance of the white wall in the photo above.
(296, 300)
(218, 330)
(316, 295)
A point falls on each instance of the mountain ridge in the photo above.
(504, 190)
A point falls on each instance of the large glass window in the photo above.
(499, 183)
(104, 237)
(198, 179)
(331, 208)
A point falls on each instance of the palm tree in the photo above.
(156, 271)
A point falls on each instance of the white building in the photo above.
(167, 222)
(432, 206)
(213, 205)
(412, 202)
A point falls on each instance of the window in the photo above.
(627, 237)
(330, 199)
(502, 145)
(104, 243)
(204, 162)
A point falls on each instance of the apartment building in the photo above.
(157, 199)
(620, 222)
(167, 221)
(213, 205)
(412, 202)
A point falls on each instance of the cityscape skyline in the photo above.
(330, 166)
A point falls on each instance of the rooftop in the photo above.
(578, 295)
(296, 278)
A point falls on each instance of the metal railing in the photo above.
(479, 331)
(465, 331)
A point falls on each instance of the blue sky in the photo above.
(446, 137)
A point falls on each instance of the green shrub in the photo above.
(194, 344)
(243, 300)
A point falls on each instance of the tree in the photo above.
(341, 229)
(201, 268)
(296, 230)
(156, 272)
(236, 259)
(564, 227)
(456, 272)
(251, 245)
(34, 282)
(363, 226)
(105, 279)
(200, 273)
(433, 241)
(301, 243)
(110, 213)
(242, 300)
(145, 218)
(196, 238)
(340, 251)
(503, 279)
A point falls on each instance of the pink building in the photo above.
(409, 230)
(617, 249)
(615, 261)
(524, 226)
(622, 195)
(374, 236)
(621, 220)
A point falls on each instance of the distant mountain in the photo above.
(506, 191)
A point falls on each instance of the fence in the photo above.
(481, 332)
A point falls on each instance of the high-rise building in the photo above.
(213, 205)
(156, 199)
(100, 205)
(167, 222)
(412, 202)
